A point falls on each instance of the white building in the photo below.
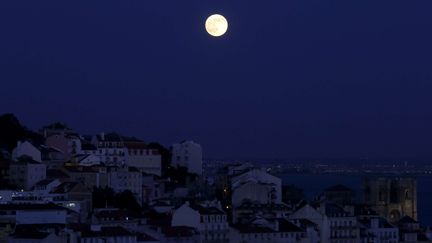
(26, 173)
(97, 233)
(343, 224)
(110, 148)
(86, 160)
(34, 237)
(27, 149)
(33, 213)
(256, 185)
(188, 154)
(143, 158)
(210, 221)
(68, 143)
(122, 179)
(268, 231)
(378, 229)
(310, 213)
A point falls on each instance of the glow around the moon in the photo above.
(216, 25)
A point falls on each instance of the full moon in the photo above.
(216, 25)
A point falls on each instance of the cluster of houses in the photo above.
(48, 196)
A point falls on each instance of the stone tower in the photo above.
(392, 197)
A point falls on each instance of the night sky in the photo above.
(299, 78)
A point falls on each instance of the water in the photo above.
(314, 184)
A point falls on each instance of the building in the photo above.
(86, 160)
(268, 231)
(377, 230)
(111, 148)
(115, 217)
(143, 158)
(391, 197)
(410, 231)
(343, 224)
(307, 212)
(34, 237)
(97, 233)
(26, 172)
(256, 185)
(249, 210)
(188, 154)
(128, 178)
(25, 148)
(68, 143)
(34, 213)
(210, 221)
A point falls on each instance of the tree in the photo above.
(106, 197)
(12, 131)
(292, 194)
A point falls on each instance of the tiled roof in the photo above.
(116, 214)
(135, 145)
(207, 210)
(88, 146)
(307, 223)
(48, 206)
(58, 174)
(44, 182)
(247, 229)
(179, 231)
(105, 232)
(80, 169)
(145, 237)
(29, 235)
(286, 226)
(65, 187)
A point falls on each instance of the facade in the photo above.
(188, 154)
(259, 193)
(307, 212)
(268, 231)
(26, 173)
(122, 179)
(248, 211)
(256, 185)
(97, 233)
(34, 237)
(25, 148)
(69, 144)
(210, 221)
(143, 158)
(36, 213)
(111, 149)
(86, 160)
(88, 175)
(377, 230)
(392, 197)
(343, 224)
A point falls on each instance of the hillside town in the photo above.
(60, 186)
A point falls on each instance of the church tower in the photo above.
(392, 197)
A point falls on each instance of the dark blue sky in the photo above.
(300, 78)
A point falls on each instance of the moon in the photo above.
(216, 25)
